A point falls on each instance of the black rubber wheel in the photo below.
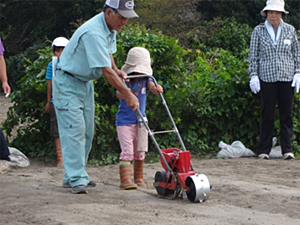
(160, 176)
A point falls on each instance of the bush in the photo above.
(207, 93)
(227, 34)
(216, 104)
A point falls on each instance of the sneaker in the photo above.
(263, 156)
(81, 189)
(90, 184)
(288, 156)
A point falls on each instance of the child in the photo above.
(132, 134)
(58, 46)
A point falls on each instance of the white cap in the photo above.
(124, 7)
(60, 42)
(274, 5)
(138, 60)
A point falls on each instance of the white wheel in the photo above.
(199, 188)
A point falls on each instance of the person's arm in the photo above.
(49, 92)
(119, 95)
(154, 89)
(253, 56)
(3, 75)
(296, 52)
(114, 79)
(120, 73)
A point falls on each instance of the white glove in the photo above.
(296, 82)
(254, 84)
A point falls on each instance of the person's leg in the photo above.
(126, 135)
(69, 96)
(54, 133)
(268, 95)
(4, 151)
(89, 118)
(285, 102)
(58, 152)
(140, 149)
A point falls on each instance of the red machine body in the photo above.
(180, 163)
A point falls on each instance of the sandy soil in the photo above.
(246, 191)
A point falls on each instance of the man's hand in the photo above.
(121, 73)
(113, 77)
(132, 101)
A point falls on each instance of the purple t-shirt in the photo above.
(1, 48)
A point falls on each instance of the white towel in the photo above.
(271, 31)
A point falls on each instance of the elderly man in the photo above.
(88, 55)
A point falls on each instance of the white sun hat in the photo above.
(60, 42)
(274, 5)
(138, 60)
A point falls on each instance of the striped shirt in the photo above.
(272, 62)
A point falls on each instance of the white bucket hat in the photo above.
(124, 7)
(274, 5)
(60, 42)
(138, 60)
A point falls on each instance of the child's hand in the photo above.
(159, 88)
(47, 107)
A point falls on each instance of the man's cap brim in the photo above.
(127, 13)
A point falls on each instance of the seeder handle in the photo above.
(138, 112)
(170, 117)
(165, 105)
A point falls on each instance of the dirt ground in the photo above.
(245, 191)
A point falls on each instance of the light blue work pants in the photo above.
(75, 111)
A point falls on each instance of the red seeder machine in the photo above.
(178, 179)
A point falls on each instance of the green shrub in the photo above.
(216, 104)
(225, 33)
(207, 94)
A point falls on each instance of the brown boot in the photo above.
(125, 177)
(58, 153)
(138, 173)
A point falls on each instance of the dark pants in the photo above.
(270, 94)
(4, 151)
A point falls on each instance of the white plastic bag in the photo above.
(17, 158)
(276, 150)
(235, 150)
